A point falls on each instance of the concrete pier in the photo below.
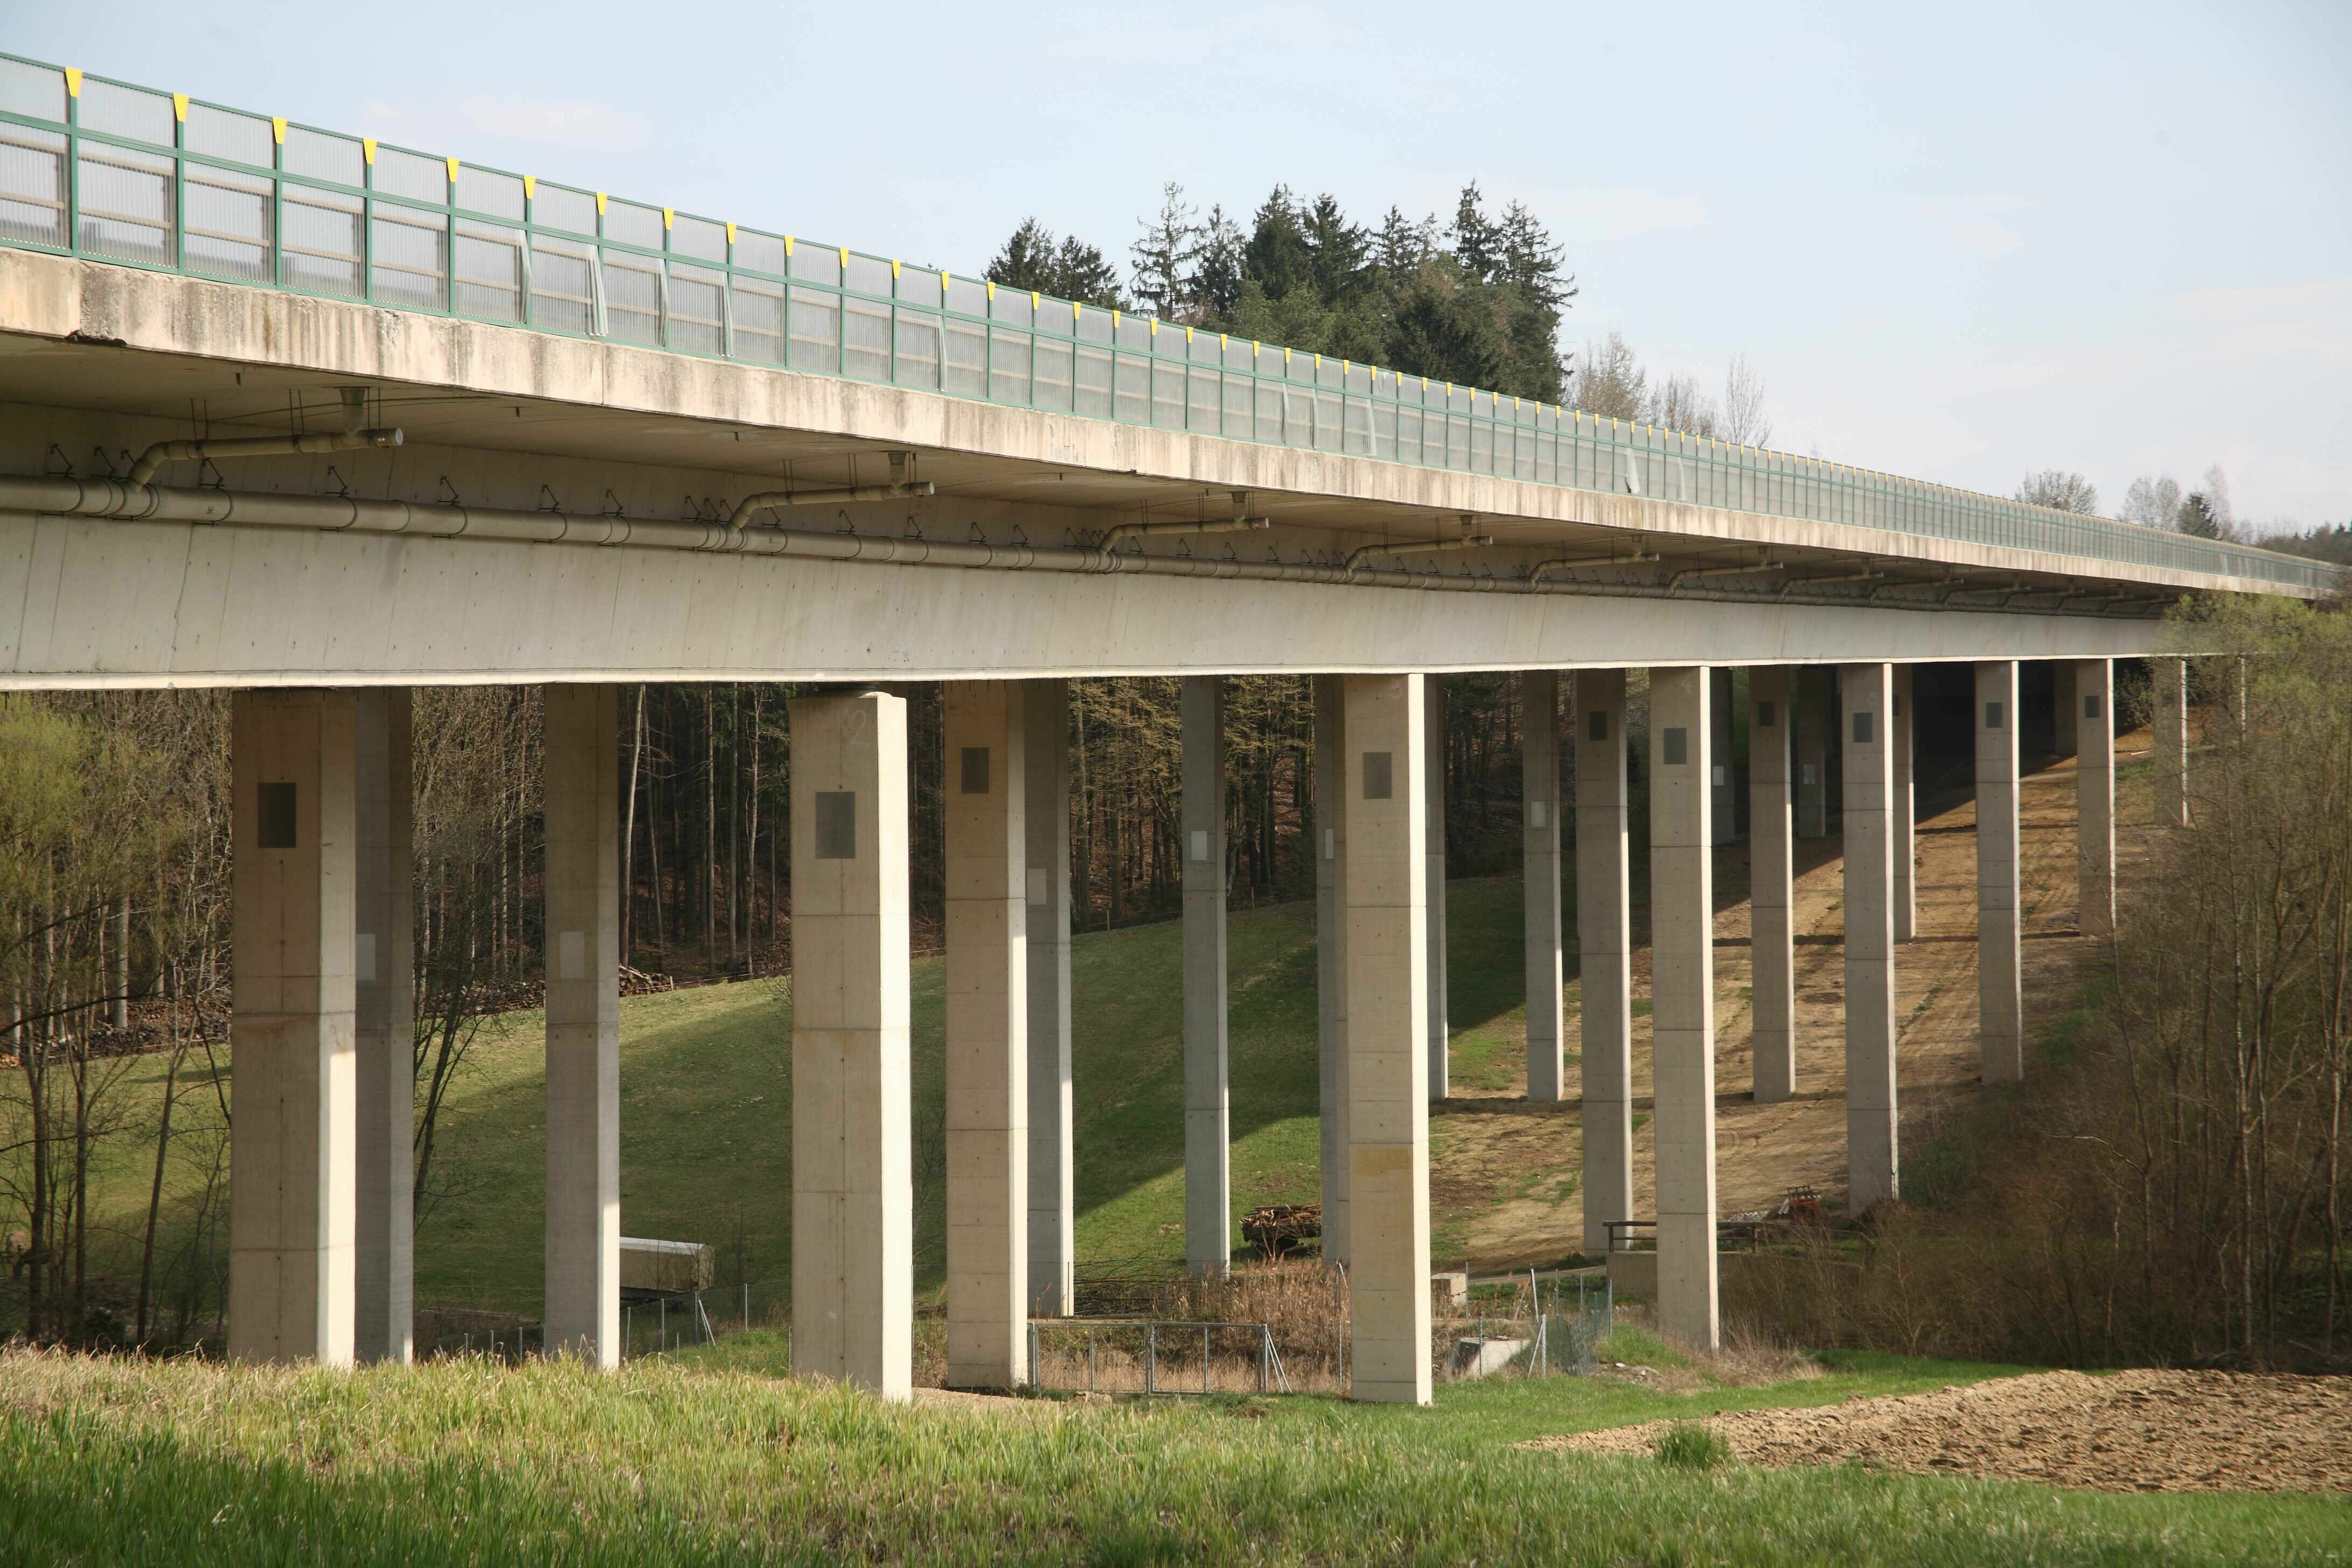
(2094, 727)
(1771, 894)
(383, 947)
(852, 1183)
(1722, 817)
(1434, 794)
(1208, 1193)
(2000, 996)
(1331, 789)
(2168, 716)
(583, 1023)
(1809, 700)
(1388, 1061)
(1866, 691)
(1900, 732)
(1539, 822)
(1682, 1004)
(984, 745)
(1046, 839)
(294, 1072)
(1604, 953)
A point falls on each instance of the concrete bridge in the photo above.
(321, 420)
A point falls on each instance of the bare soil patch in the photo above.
(2133, 1431)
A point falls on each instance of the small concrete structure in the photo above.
(853, 1174)
(293, 1072)
(1604, 953)
(2000, 976)
(669, 1268)
(1682, 1008)
(1771, 933)
(1208, 1193)
(1867, 694)
(986, 729)
(1541, 831)
(583, 1315)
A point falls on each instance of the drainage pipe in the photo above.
(115, 499)
(163, 452)
(768, 499)
(1415, 547)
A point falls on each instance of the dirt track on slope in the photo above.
(1503, 1161)
(2133, 1431)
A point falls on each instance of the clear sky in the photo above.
(1959, 242)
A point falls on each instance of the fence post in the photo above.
(1151, 1358)
(1264, 1342)
(747, 1303)
(1090, 1358)
(1032, 1354)
(1205, 1358)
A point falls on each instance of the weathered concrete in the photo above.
(2001, 983)
(293, 1074)
(1772, 889)
(1433, 796)
(1866, 693)
(120, 328)
(1682, 1006)
(1387, 1062)
(2094, 727)
(853, 1177)
(583, 1023)
(1604, 953)
(1722, 817)
(987, 988)
(2170, 718)
(384, 977)
(1539, 820)
(1331, 787)
(1208, 1184)
(1900, 733)
(1046, 839)
(1811, 721)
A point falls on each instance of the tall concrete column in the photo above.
(1899, 734)
(1433, 790)
(853, 1174)
(2170, 718)
(1331, 777)
(1682, 1000)
(294, 1070)
(583, 1315)
(987, 1034)
(2093, 726)
(2064, 705)
(1722, 820)
(1866, 691)
(1604, 955)
(384, 975)
(1539, 818)
(1809, 703)
(1208, 1193)
(1046, 839)
(1771, 894)
(2000, 994)
(1388, 1060)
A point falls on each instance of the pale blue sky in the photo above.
(1958, 242)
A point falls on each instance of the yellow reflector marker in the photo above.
(600, 204)
(367, 147)
(179, 107)
(278, 129)
(668, 216)
(945, 279)
(894, 269)
(73, 85)
(1074, 313)
(453, 171)
(992, 291)
(845, 257)
(730, 234)
(530, 188)
(1188, 334)
(788, 244)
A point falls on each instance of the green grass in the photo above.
(134, 1463)
(706, 1106)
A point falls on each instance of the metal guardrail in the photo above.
(1138, 1341)
(112, 172)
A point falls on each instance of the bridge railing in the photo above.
(118, 173)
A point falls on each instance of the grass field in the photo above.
(706, 1106)
(467, 1461)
